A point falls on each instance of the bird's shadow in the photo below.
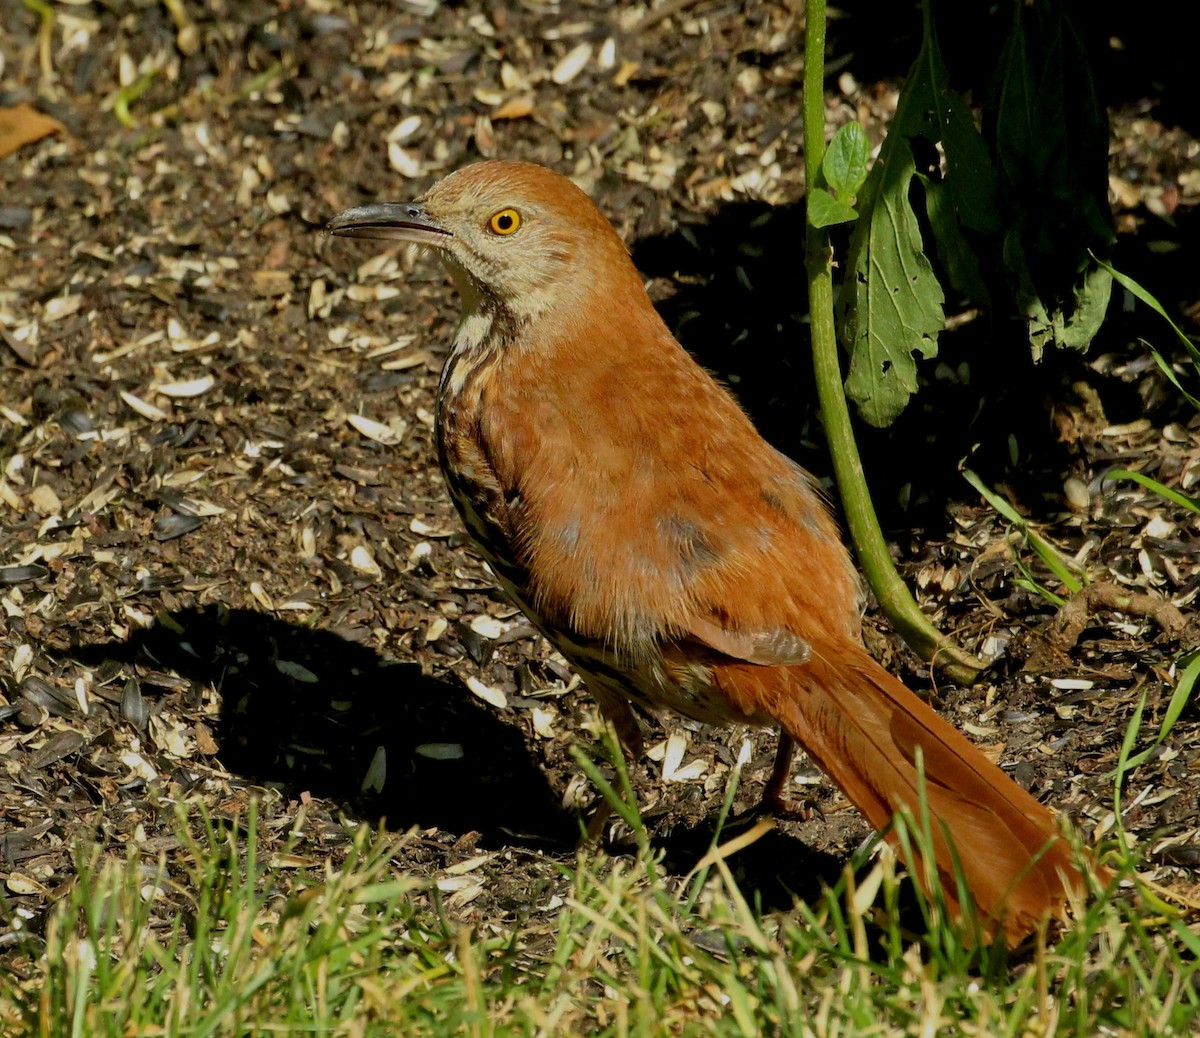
(776, 870)
(773, 871)
(308, 710)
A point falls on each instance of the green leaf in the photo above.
(1091, 305)
(1055, 561)
(958, 256)
(999, 503)
(1138, 292)
(1184, 687)
(1034, 588)
(1123, 757)
(967, 197)
(1166, 369)
(891, 302)
(1050, 137)
(970, 175)
(1072, 324)
(824, 209)
(1186, 937)
(845, 162)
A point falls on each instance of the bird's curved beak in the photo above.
(396, 221)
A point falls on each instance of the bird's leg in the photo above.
(616, 711)
(595, 825)
(775, 800)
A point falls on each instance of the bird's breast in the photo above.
(464, 454)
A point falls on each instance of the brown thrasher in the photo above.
(628, 506)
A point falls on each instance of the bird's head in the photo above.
(512, 234)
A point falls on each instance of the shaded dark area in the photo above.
(731, 288)
(1137, 69)
(1135, 60)
(310, 710)
(776, 870)
(772, 871)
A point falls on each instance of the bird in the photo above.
(625, 502)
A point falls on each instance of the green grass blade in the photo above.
(1136, 290)
(1055, 561)
(1184, 687)
(1124, 766)
(1174, 496)
(1165, 367)
(995, 500)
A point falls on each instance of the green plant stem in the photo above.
(45, 13)
(894, 597)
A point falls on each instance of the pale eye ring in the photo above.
(505, 222)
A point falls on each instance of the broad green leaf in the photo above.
(1091, 305)
(891, 303)
(1051, 140)
(971, 179)
(824, 209)
(966, 198)
(1073, 327)
(1015, 112)
(846, 160)
(1077, 326)
(970, 175)
(958, 256)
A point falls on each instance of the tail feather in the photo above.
(866, 730)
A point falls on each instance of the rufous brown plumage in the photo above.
(629, 507)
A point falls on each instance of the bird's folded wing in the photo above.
(774, 648)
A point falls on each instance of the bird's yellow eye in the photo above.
(505, 222)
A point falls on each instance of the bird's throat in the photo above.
(472, 344)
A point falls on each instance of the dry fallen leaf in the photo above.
(205, 742)
(23, 124)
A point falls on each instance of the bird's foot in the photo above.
(789, 809)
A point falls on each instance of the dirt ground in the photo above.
(228, 567)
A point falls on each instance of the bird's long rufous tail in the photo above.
(864, 728)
